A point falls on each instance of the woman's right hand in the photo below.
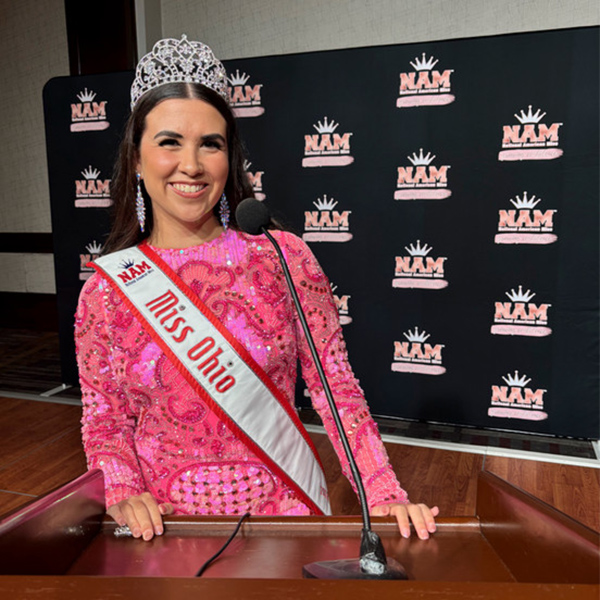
(142, 514)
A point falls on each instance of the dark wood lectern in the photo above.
(515, 547)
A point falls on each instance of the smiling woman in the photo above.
(184, 166)
(187, 337)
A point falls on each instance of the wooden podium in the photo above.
(516, 547)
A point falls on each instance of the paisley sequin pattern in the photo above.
(144, 426)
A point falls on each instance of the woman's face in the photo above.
(183, 161)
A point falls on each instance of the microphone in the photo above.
(253, 217)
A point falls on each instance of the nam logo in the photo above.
(531, 139)
(422, 180)
(525, 224)
(516, 401)
(131, 273)
(416, 356)
(93, 252)
(88, 115)
(244, 99)
(418, 270)
(256, 180)
(326, 224)
(521, 317)
(91, 192)
(341, 303)
(425, 86)
(327, 148)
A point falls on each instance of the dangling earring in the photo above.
(224, 211)
(140, 207)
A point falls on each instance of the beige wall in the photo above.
(33, 47)
(243, 28)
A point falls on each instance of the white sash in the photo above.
(218, 367)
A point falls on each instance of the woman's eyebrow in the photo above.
(167, 133)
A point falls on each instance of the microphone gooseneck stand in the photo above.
(253, 216)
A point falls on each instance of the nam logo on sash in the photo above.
(94, 249)
(327, 148)
(521, 317)
(422, 180)
(326, 224)
(133, 272)
(92, 192)
(244, 99)
(341, 302)
(256, 180)
(417, 356)
(531, 139)
(88, 115)
(517, 401)
(425, 86)
(418, 270)
(525, 224)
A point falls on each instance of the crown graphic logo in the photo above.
(529, 117)
(90, 173)
(237, 79)
(86, 96)
(525, 202)
(247, 164)
(324, 204)
(326, 127)
(415, 336)
(515, 380)
(418, 250)
(520, 296)
(94, 247)
(125, 264)
(420, 159)
(333, 287)
(422, 64)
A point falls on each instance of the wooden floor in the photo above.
(40, 449)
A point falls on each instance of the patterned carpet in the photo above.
(30, 366)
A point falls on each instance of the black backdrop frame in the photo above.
(493, 82)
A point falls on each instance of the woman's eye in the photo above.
(168, 142)
(213, 144)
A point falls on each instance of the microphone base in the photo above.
(351, 569)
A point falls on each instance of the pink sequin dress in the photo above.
(146, 429)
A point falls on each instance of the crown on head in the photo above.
(178, 61)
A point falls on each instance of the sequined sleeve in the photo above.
(316, 297)
(108, 423)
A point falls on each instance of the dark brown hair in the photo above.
(125, 231)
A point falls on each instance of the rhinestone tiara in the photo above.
(178, 61)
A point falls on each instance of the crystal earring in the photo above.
(140, 207)
(224, 211)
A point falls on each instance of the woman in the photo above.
(166, 371)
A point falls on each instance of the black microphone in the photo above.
(253, 217)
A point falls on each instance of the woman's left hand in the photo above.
(422, 517)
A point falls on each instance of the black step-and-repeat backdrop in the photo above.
(449, 189)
